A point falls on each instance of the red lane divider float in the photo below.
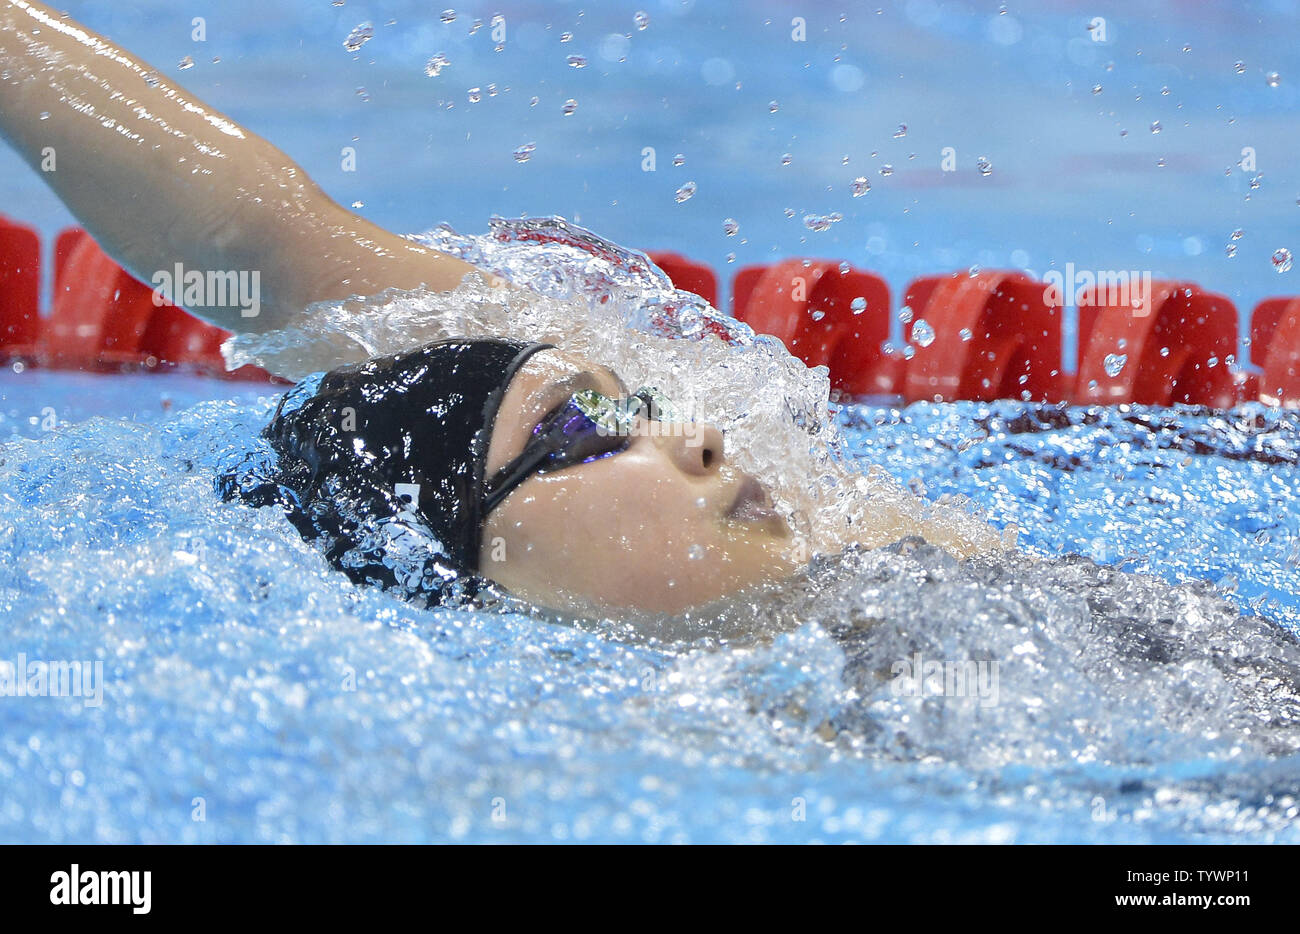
(102, 317)
(1170, 346)
(987, 336)
(1275, 349)
(993, 335)
(687, 275)
(827, 314)
(20, 288)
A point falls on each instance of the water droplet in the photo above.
(1230, 249)
(886, 170)
(1164, 91)
(448, 16)
(525, 152)
(45, 115)
(905, 314)
(695, 552)
(1236, 234)
(474, 27)
(821, 222)
(858, 305)
(185, 63)
(1282, 260)
(1164, 351)
(965, 334)
(901, 131)
(1273, 79)
(1155, 126)
(686, 192)
(533, 101)
(357, 205)
(570, 106)
(1096, 89)
(984, 166)
(1212, 363)
(679, 159)
(641, 18)
(922, 332)
(730, 227)
(845, 268)
(1114, 363)
(844, 160)
(1160, 163)
(566, 36)
(577, 61)
(786, 158)
(1239, 67)
(434, 66)
(773, 107)
(860, 186)
(475, 95)
(359, 36)
(151, 78)
(817, 314)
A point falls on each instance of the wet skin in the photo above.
(666, 524)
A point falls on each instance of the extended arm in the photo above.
(159, 178)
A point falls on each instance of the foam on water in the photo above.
(250, 684)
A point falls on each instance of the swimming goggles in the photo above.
(589, 425)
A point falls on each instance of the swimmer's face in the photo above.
(664, 525)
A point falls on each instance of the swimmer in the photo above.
(434, 470)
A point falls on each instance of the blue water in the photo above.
(250, 685)
(1148, 691)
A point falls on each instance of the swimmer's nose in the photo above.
(696, 449)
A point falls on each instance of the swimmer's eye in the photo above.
(656, 406)
(587, 426)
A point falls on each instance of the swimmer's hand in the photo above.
(160, 179)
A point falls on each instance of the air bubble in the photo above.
(525, 152)
(686, 192)
(1113, 363)
(860, 186)
(1282, 260)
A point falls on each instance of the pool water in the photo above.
(1132, 673)
(1146, 688)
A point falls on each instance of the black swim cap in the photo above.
(382, 463)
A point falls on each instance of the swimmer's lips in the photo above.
(753, 506)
